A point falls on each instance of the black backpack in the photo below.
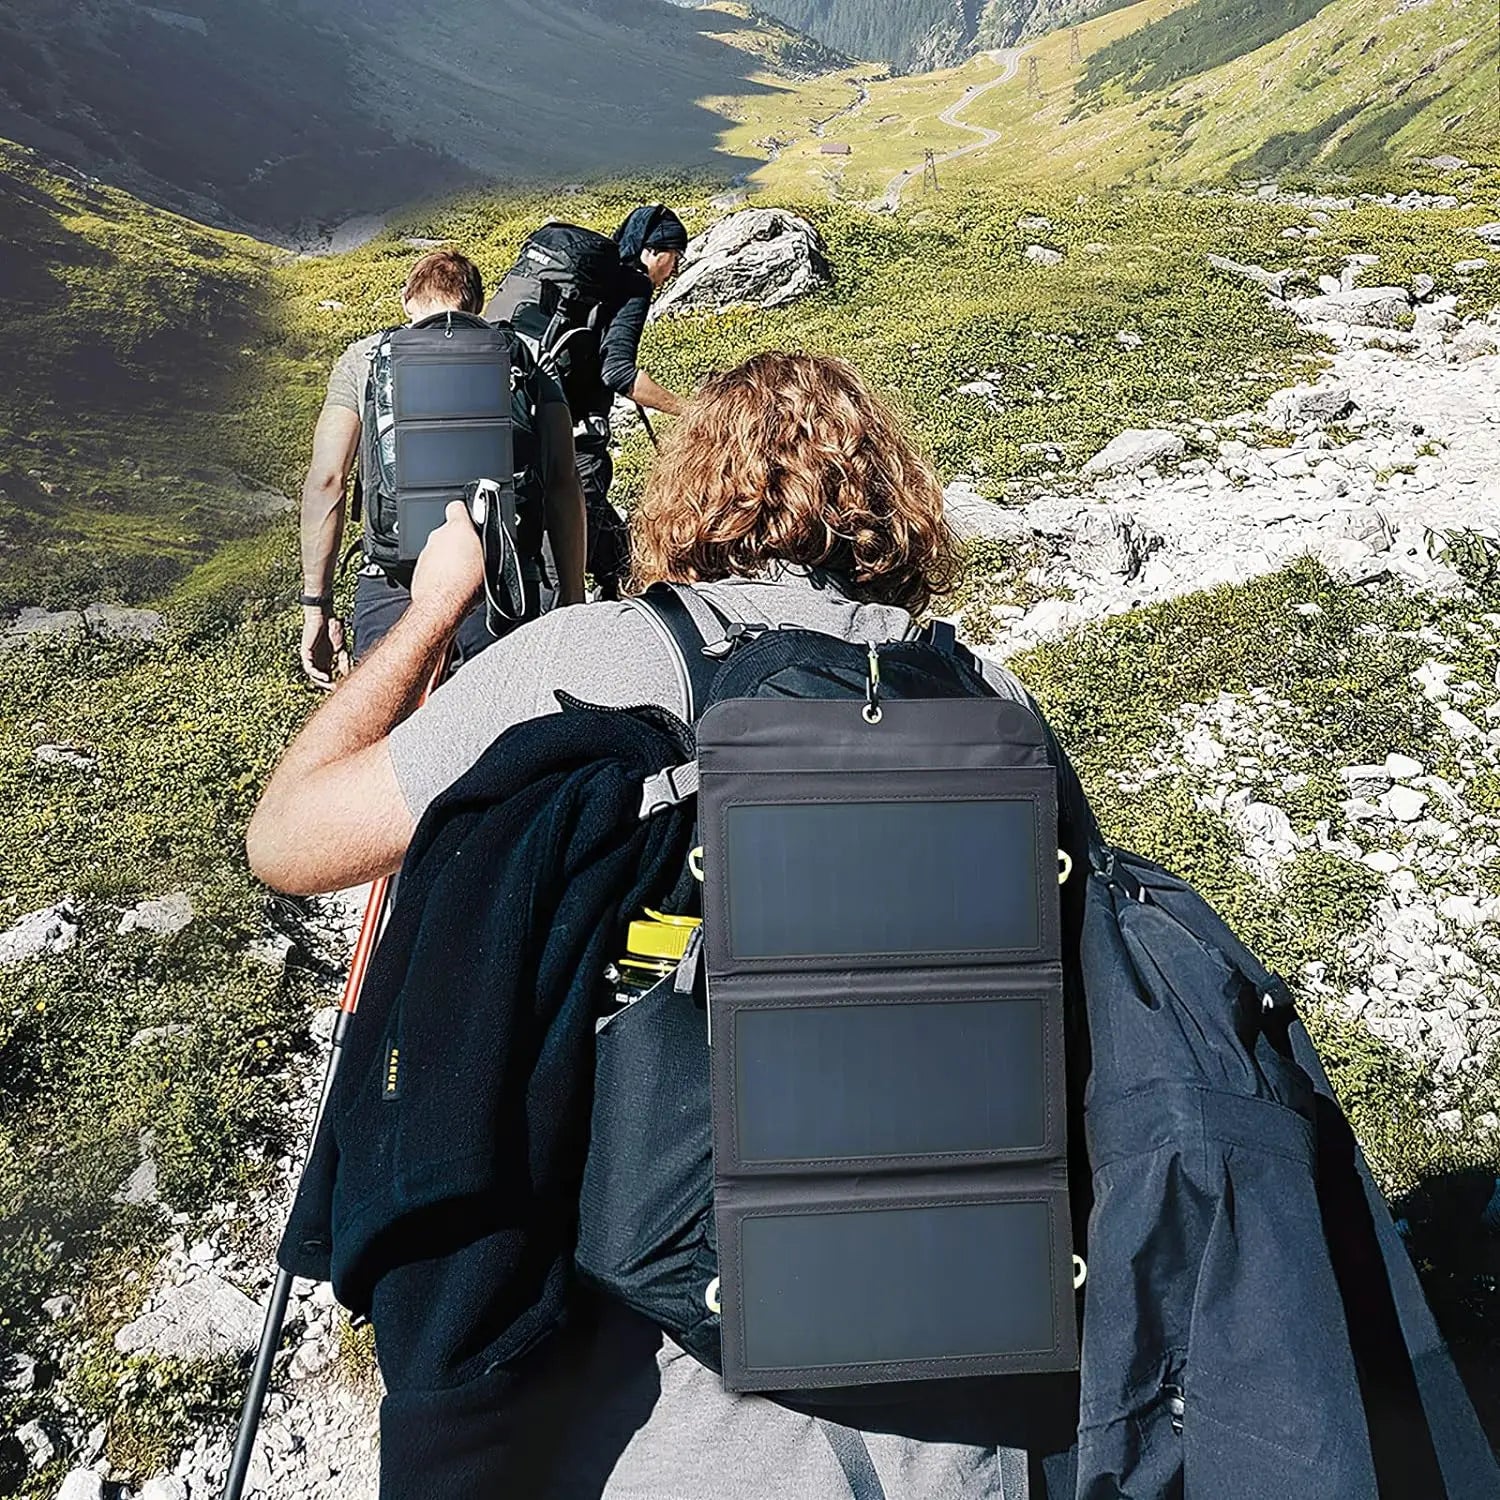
(554, 298)
(647, 1231)
(448, 401)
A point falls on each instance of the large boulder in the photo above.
(1362, 306)
(762, 257)
(1135, 448)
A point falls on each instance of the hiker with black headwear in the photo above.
(652, 241)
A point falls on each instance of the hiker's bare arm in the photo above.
(566, 523)
(646, 392)
(333, 814)
(334, 441)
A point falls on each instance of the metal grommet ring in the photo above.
(873, 713)
(1064, 866)
(711, 1297)
(695, 864)
(1080, 1272)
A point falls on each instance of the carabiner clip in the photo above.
(872, 710)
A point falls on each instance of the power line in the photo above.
(929, 172)
(1075, 47)
(1033, 83)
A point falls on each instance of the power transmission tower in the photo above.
(929, 172)
(1033, 83)
(1075, 47)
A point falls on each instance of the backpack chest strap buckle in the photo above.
(668, 788)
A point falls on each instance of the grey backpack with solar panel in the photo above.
(446, 404)
(829, 1155)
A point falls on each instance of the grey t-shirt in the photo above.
(346, 385)
(608, 654)
(687, 1437)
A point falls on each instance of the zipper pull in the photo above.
(687, 966)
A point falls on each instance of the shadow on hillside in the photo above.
(1452, 1228)
(287, 119)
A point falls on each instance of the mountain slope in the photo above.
(1199, 93)
(905, 33)
(277, 113)
(915, 34)
(145, 390)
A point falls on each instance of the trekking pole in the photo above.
(281, 1292)
(646, 423)
(377, 909)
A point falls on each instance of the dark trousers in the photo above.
(380, 600)
(609, 536)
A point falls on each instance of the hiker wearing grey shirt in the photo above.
(443, 281)
(788, 496)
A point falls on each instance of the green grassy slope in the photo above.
(146, 393)
(1188, 95)
(1184, 94)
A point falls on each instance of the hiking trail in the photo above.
(1010, 60)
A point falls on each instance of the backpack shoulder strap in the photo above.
(663, 605)
(941, 635)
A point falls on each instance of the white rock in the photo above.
(1043, 255)
(1404, 803)
(1451, 1120)
(1432, 677)
(1402, 767)
(1133, 449)
(66, 757)
(205, 1318)
(39, 1448)
(54, 930)
(163, 916)
(82, 1484)
(1371, 307)
(970, 516)
(141, 1187)
(163, 1487)
(1458, 725)
(766, 257)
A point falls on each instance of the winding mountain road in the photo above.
(1010, 60)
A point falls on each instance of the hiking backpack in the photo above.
(447, 403)
(699, 1209)
(554, 298)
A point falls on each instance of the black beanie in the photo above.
(651, 227)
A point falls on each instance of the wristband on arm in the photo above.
(317, 601)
